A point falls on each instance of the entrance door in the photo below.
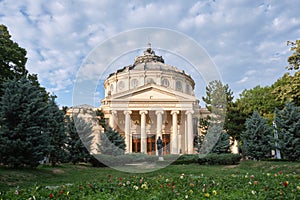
(136, 144)
(166, 143)
(151, 145)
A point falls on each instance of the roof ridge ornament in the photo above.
(149, 56)
(149, 50)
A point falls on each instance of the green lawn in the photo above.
(68, 174)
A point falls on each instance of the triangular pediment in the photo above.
(152, 92)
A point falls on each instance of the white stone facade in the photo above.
(151, 99)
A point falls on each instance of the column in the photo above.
(174, 132)
(190, 138)
(127, 130)
(143, 131)
(112, 119)
(159, 114)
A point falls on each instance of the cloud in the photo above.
(243, 38)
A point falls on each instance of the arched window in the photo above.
(121, 85)
(165, 82)
(150, 80)
(178, 85)
(134, 83)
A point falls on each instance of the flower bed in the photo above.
(182, 186)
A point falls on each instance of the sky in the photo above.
(246, 40)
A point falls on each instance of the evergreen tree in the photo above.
(79, 139)
(101, 119)
(24, 138)
(57, 132)
(234, 121)
(218, 97)
(256, 137)
(12, 57)
(112, 143)
(222, 145)
(288, 129)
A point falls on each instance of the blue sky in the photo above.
(246, 40)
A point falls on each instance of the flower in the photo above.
(68, 193)
(298, 187)
(285, 183)
(207, 195)
(144, 186)
(214, 192)
(186, 196)
(255, 182)
(268, 174)
(280, 172)
(135, 187)
(51, 195)
(252, 176)
(17, 192)
(192, 184)
(253, 192)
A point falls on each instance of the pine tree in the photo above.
(12, 57)
(256, 137)
(79, 139)
(288, 128)
(57, 132)
(222, 145)
(24, 138)
(112, 143)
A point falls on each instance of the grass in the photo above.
(68, 173)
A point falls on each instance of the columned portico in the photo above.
(112, 119)
(190, 138)
(127, 130)
(159, 114)
(174, 132)
(143, 131)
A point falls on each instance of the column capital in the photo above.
(126, 112)
(174, 112)
(143, 112)
(113, 112)
(159, 112)
(189, 112)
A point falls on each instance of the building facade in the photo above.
(151, 99)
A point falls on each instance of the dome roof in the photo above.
(149, 61)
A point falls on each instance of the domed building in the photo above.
(151, 99)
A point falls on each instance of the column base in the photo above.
(161, 158)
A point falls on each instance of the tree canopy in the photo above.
(294, 59)
(24, 136)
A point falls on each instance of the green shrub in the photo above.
(186, 159)
(220, 159)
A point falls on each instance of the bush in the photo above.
(186, 159)
(220, 159)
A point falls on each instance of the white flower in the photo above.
(135, 187)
